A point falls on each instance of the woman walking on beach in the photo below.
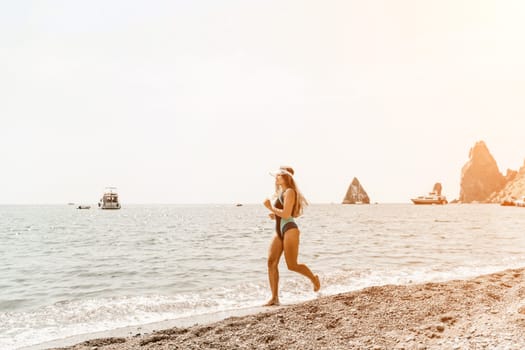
(289, 205)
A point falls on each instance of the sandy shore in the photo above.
(486, 312)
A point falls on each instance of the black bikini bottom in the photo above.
(286, 227)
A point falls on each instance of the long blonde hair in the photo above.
(300, 202)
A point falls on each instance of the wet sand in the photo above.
(486, 312)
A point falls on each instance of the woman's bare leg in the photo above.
(274, 255)
(291, 251)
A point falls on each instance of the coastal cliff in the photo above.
(481, 180)
(514, 188)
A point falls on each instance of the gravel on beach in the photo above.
(486, 312)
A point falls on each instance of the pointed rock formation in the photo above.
(437, 188)
(480, 176)
(356, 194)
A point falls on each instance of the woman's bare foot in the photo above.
(317, 283)
(272, 302)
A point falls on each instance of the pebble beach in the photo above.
(485, 312)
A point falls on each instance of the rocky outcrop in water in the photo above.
(480, 176)
(356, 194)
(437, 188)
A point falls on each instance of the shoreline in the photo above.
(147, 328)
(487, 311)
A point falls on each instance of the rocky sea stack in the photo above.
(481, 180)
(356, 194)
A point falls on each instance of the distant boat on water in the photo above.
(513, 202)
(509, 202)
(84, 207)
(110, 199)
(520, 202)
(433, 197)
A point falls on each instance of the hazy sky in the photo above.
(195, 101)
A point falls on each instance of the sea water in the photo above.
(65, 271)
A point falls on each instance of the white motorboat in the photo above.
(431, 198)
(110, 199)
(520, 202)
